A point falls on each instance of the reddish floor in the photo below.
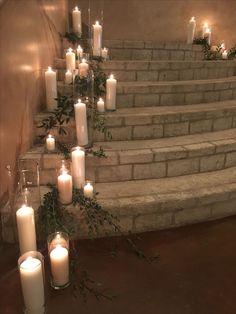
(196, 274)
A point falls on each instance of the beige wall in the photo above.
(162, 20)
(29, 41)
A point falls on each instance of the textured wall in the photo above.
(29, 41)
(162, 20)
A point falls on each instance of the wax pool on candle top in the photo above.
(111, 93)
(81, 123)
(78, 167)
(51, 89)
(97, 39)
(32, 283)
(76, 19)
(59, 265)
(50, 143)
(70, 60)
(26, 229)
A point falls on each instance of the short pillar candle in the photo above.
(88, 189)
(70, 60)
(111, 93)
(105, 53)
(83, 68)
(51, 89)
(50, 143)
(68, 77)
(100, 105)
(97, 39)
(225, 55)
(64, 184)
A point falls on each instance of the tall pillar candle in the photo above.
(76, 20)
(68, 77)
(32, 283)
(97, 39)
(64, 184)
(26, 229)
(83, 68)
(191, 30)
(70, 60)
(81, 123)
(78, 167)
(51, 89)
(111, 93)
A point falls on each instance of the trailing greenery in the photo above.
(72, 37)
(232, 53)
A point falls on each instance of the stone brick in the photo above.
(161, 54)
(146, 100)
(141, 54)
(136, 89)
(155, 65)
(152, 222)
(113, 65)
(133, 44)
(113, 120)
(138, 119)
(210, 163)
(226, 94)
(192, 215)
(224, 146)
(172, 99)
(222, 85)
(51, 161)
(168, 76)
(222, 123)
(193, 98)
(127, 205)
(147, 131)
(211, 96)
(125, 101)
(48, 177)
(114, 173)
(169, 153)
(186, 75)
(200, 126)
(168, 118)
(176, 129)
(113, 43)
(224, 209)
(179, 65)
(200, 74)
(121, 54)
(149, 171)
(182, 167)
(177, 55)
(230, 159)
(110, 160)
(189, 55)
(125, 75)
(147, 75)
(200, 149)
(136, 156)
(121, 133)
(137, 65)
(154, 45)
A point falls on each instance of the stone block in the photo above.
(182, 167)
(134, 205)
(114, 173)
(125, 101)
(177, 55)
(193, 98)
(125, 75)
(114, 120)
(225, 146)
(146, 100)
(137, 65)
(222, 123)
(172, 99)
(169, 153)
(189, 55)
(230, 159)
(210, 163)
(138, 119)
(152, 222)
(176, 129)
(154, 45)
(161, 55)
(168, 76)
(149, 171)
(168, 118)
(186, 75)
(113, 43)
(121, 133)
(155, 65)
(136, 156)
(222, 85)
(113, 65)
(48, 177)
(200, 74)
(200, 126)
(211, 96)
(192, 215)
(136, 89)
(51, 161)
(141, 54)
(200, 149)
(121, 54)
(147, 76)
(110, 160)
(133, 44)
(179, 65)
(226, 94)
(147, 131)
(224, 209)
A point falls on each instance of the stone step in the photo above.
(149, 159)
(149, 50)
(146, 205)
(162, 70)
(158, 122)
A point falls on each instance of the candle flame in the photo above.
(100, 99)
(205, 24)
(193, 18)
(97, 22)
(79, 100)
(70, 50)
(111, 76)
(83, 60)
(49, 136)
(208, 30)
(79, 47)
(68, 71)
(76, 9)
(49, 68)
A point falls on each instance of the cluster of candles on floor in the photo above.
(31, 262)
(206, 33)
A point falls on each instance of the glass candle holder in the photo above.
(58, 250)
(64, 183)
(31, 269)
(88, 189)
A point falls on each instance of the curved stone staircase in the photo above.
(172, 157)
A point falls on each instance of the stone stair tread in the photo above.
(194, 184)
(170, 141)
(171, 83)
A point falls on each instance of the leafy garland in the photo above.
(216, 54)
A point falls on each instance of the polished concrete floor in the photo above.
(196, 274)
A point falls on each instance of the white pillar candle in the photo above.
(51, 89)
(64, 183)
(79, 51)
(191, 30)
(68, 77)
(50, 143)
(83, 68)
(97, 39)
(204, 28)
(70, 60)
(105, 53)
(88, 190)
(76, 19)
(59, 259)
(100, 105)
(225, 55)
(111, 93)
(81, 123)
(208, 35)
(26, 229)
(78, 167)
(32, 283)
